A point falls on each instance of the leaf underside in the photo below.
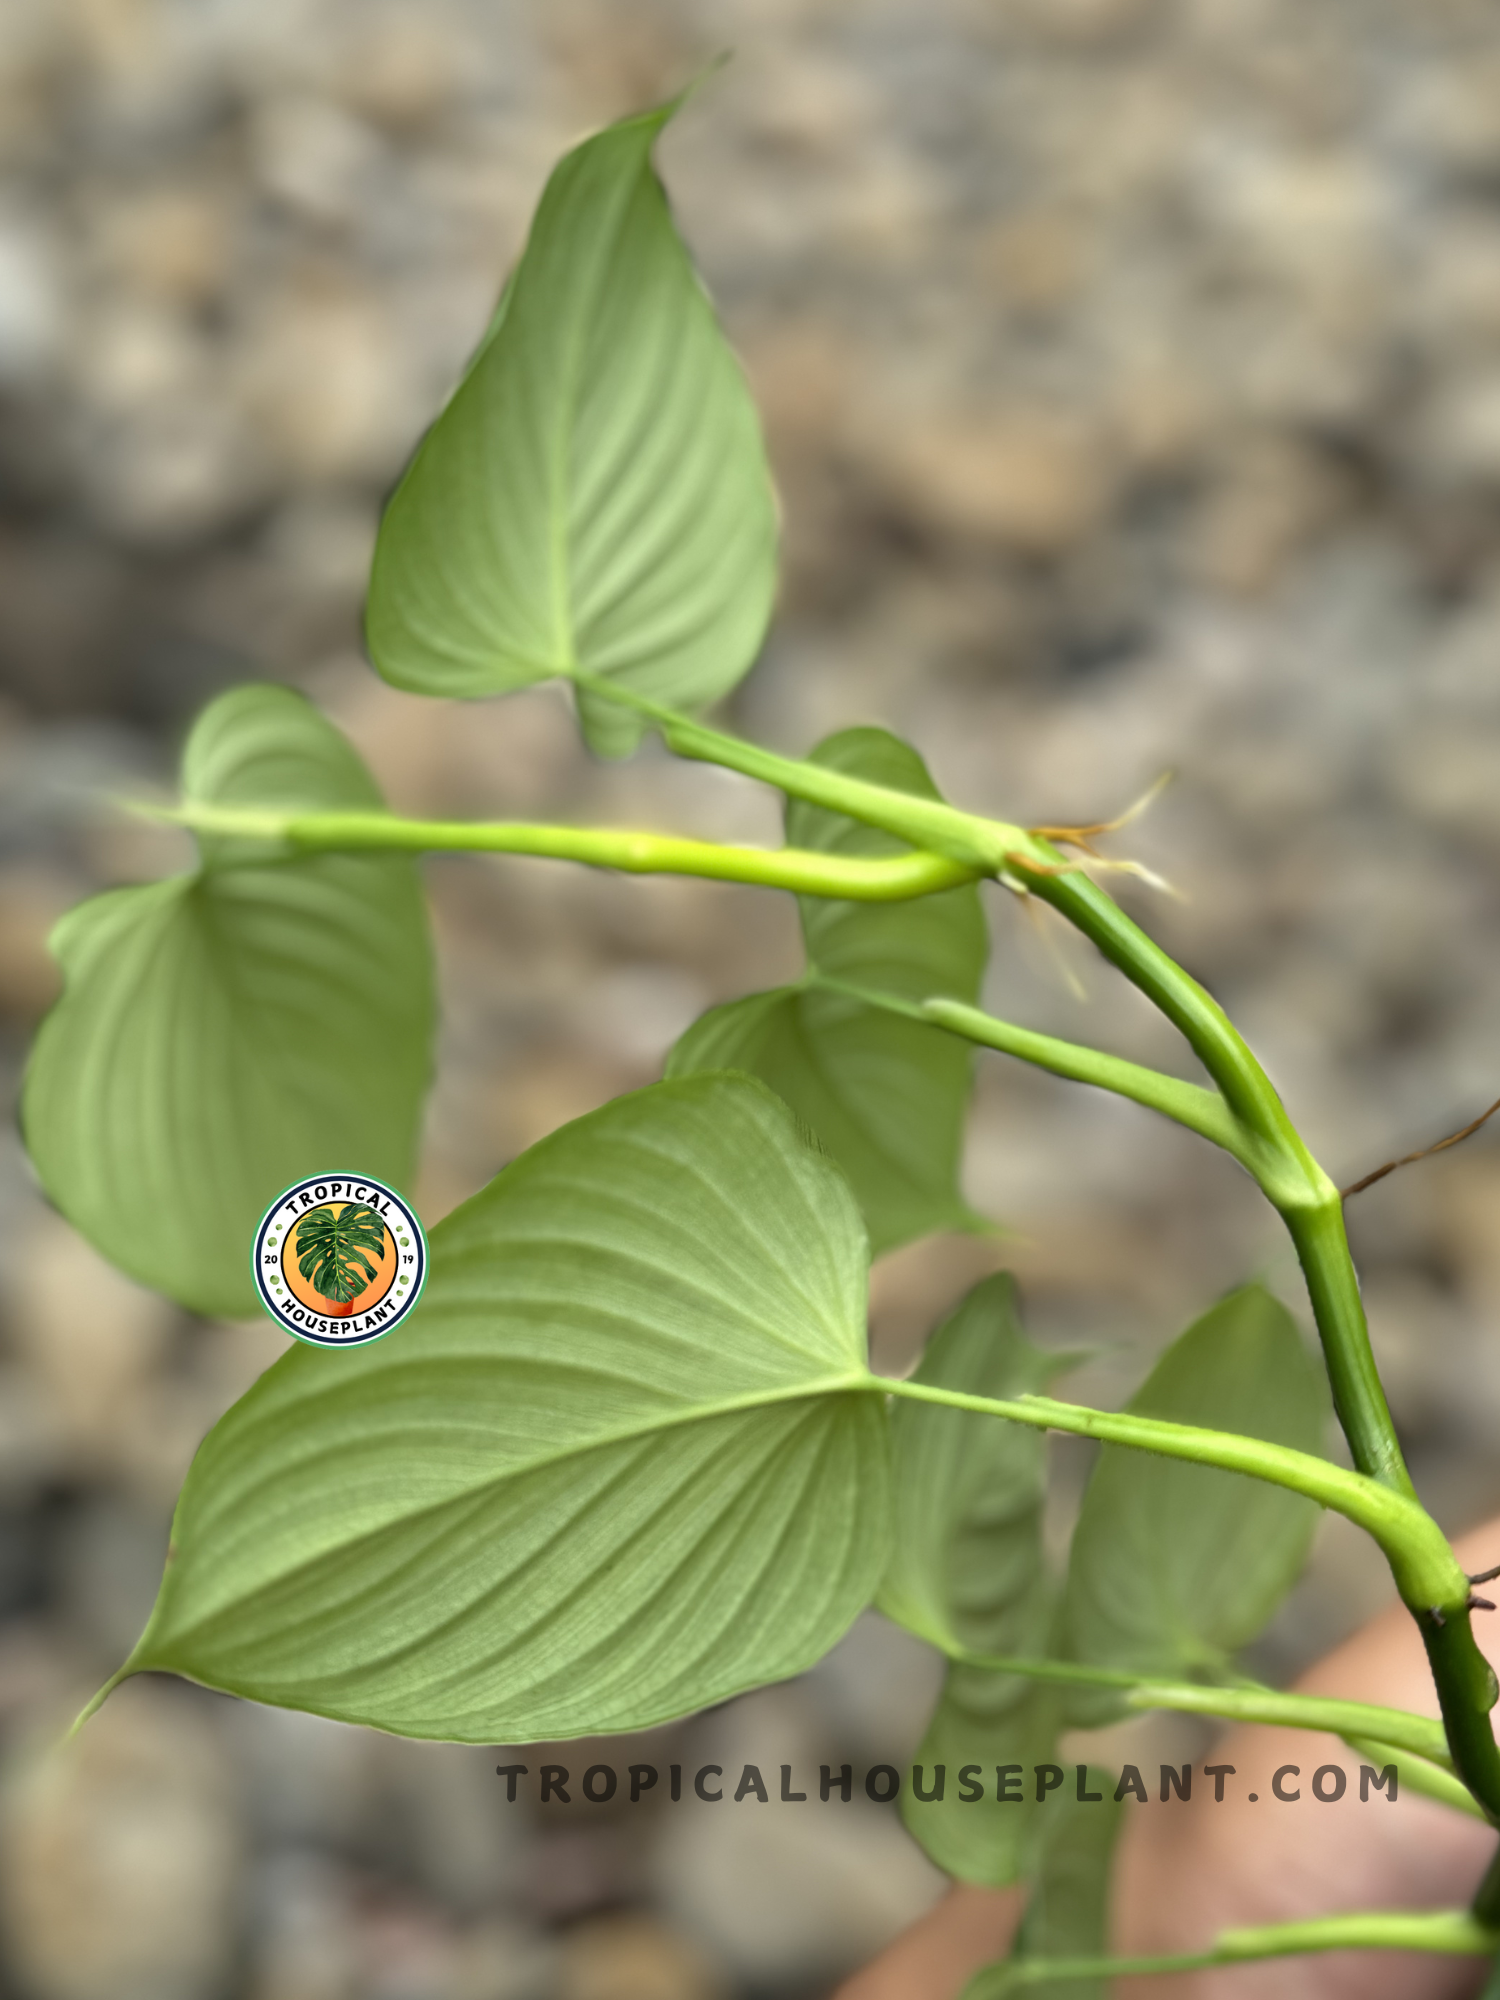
(595, 497)
(1067, 1912)
(618, 1465)
(966, 1559)
(1174, 1566)
(887, 1095)
(966, 1569)
(227, 1032)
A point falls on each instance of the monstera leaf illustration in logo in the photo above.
(330, 1251)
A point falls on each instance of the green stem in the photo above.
(1291, 1179)
(1210, 1033)
(1394, 1727)
(1317, 1230)
(1201, 1111)
(93, 1705)
(1274, 1151)
(1316, 1226)
(1426, 1570)
(1486, 1904)
(1421, 1774)
(1272, 1146)
(1454, 1933)
(983, 846)
(895, 878)
(1462, 1676)
(1251, 1120)
(1379, 1734)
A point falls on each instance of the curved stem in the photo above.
(1289, 1176)
(95, 1702)
(1208, 1030)
(1426, 1570)
(1486, 1904)
(1420, 1774)
(1317, 1231)
(1315, 1222)
(896, 878)
(1463, 1678)
(1396, 1728)
(1454, 1933)
(1291, 1179)
(984, 846)
(1274, 1151)
(1258, 1131)
(1201, 1111)
(1285, 1169)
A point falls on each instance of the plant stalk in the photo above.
(1425, 1567)
(889, 879)
(958, 846)
(1393, 1728)
(1285, 1169)
(1453, 1933)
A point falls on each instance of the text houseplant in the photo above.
(628, 1457)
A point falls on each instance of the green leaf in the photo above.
(983, 1723)
(226, 1032)
(595, 496)
(886, 1094)
(1174, 1566)
(1067, 1913)
(966, 1563)
(623, 1460)
(330, 1246)
(966, 1570)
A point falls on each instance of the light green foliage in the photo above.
(626, 1458)
(966, 1564)
(966, 1571)
(226, 1032)
(1067, 1912)
(1176, 1566)
(984, 1722)
(886, 1094)
(620, 1463)
(595, 497)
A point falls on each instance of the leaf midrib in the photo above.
(857, 1381)
(560, 443)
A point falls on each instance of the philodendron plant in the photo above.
(627, 1457)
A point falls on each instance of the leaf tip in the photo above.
(92, 1707)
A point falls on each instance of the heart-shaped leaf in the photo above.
(966, 1561)
(988, 1730)
(624, 1460)
(1174, 1566)
(595, 497)
(1067, 1912)
(226, 1032)
(966, 1571)
(886, 1094)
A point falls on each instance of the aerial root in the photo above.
(1083, 839)
(1410, 1160)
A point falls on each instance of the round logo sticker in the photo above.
(339, 1259)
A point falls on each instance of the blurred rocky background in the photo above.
(1132, 374)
